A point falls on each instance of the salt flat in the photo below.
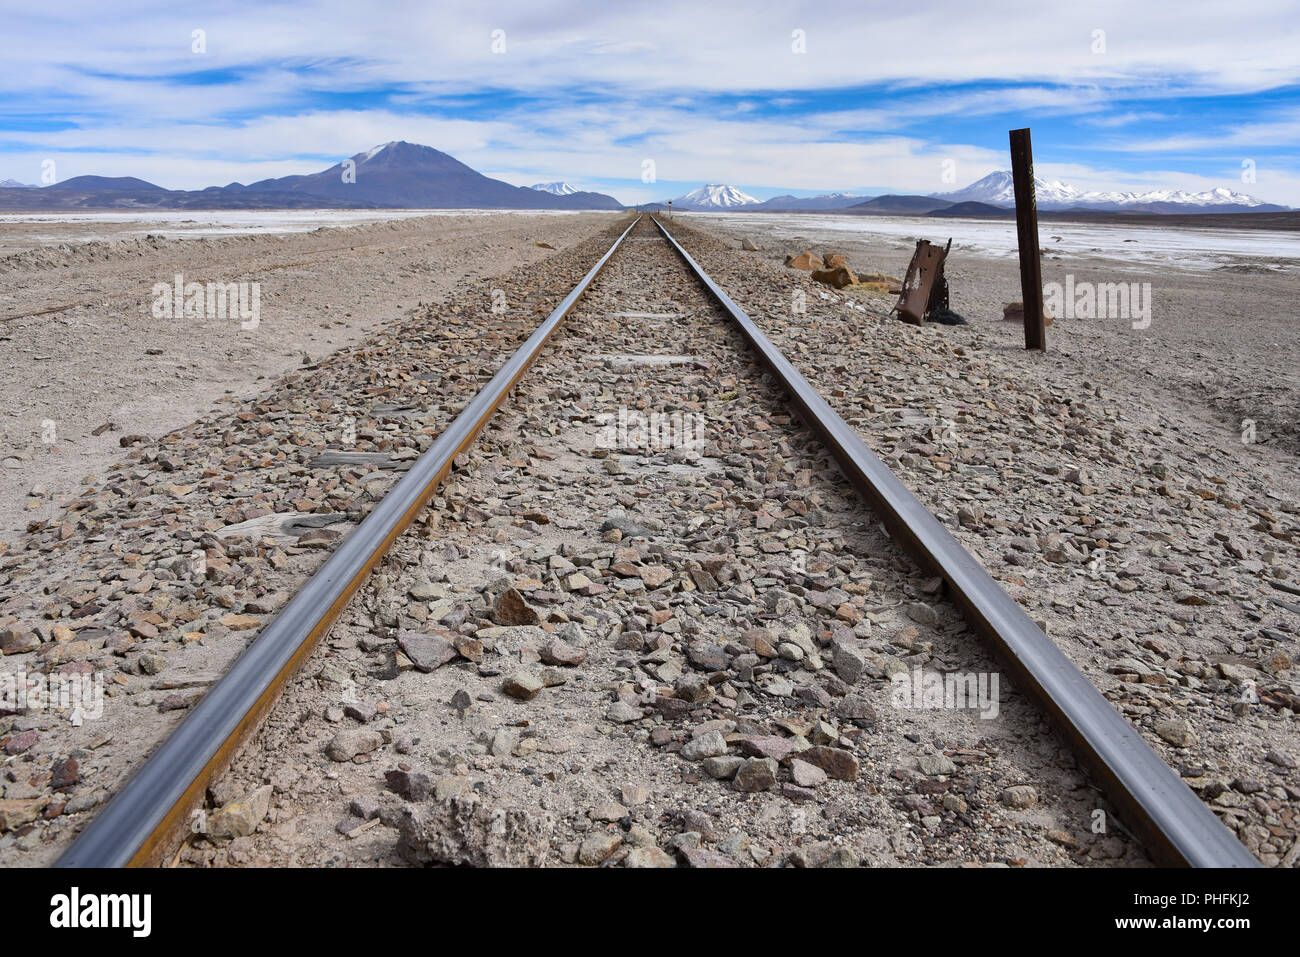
(22, 230)
(1127, 244)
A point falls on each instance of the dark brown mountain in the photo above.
(396, 175)
(895, 205)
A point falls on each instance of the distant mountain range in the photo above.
(395, 175)
(400, 175)
(996, 189)
(993, 195)
(715, 196)
(823, 201)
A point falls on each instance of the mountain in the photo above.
(83, 183)
(714, 196)
(811, 203)
(972, 208)
(395, 175)
(997, 189)
(408, 176)
(556, 189)
(14, 184)
(896, 205)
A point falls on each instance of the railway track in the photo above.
(710, 369)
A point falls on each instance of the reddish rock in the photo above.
(655, 576)
(21, 742)
(512, 609)
(426, 652)
(319, 538)
(805, 260)
(14, 641)
(836, 762)
(765, 746)
(469, 648)
(839, 277)
(699, 857)
(557, 652)
(1015, 312)
(65, 774)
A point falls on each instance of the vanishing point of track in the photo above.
(149, 816)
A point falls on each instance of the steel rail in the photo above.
(1175, 824)
(146, 818)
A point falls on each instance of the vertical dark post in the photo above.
(1031, 266)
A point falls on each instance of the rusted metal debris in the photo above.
(925, 289)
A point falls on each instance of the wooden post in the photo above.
(1031, 266)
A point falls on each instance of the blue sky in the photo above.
(1119, 95)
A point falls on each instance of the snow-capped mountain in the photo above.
(556, 189)
(997, 190)
(714, 196)
(14, 184)
(1214, 197)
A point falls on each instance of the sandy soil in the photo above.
(82, 349)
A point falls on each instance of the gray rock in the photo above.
(412, 785)
(1020, 796)
(426, 591)
(706, 656)
(848, 661)
(522, 685)
(1176, 731)
(806, 775)
(596, 847)
(641, 857)
(466, 831)
(699, 857)
(620, 712)
(1281, 759)
(756, 774)
(711, 744)
(935, 763)
(347, 744)
(723, 768)
(240, 818)
(426, 652)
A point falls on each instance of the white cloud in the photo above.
(606, 76)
